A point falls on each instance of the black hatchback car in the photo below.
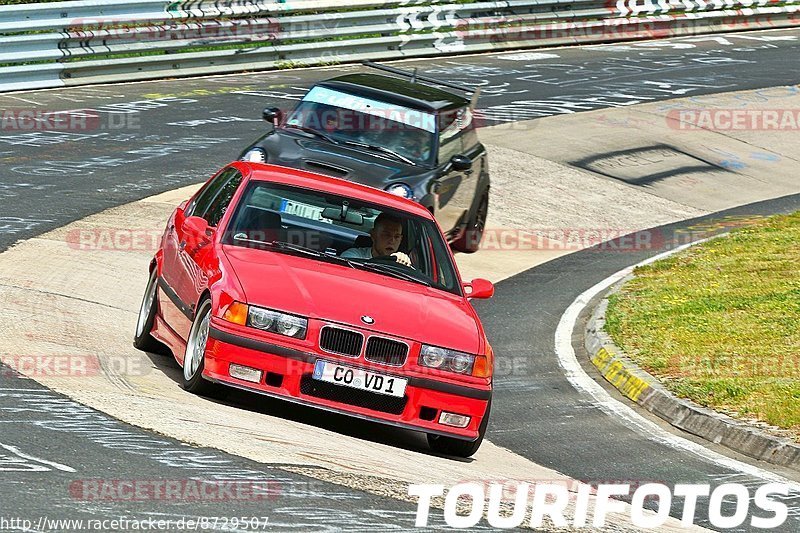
(410, 138)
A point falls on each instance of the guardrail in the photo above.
(74, 43)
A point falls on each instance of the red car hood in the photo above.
(340, 294)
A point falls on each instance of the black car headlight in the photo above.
(255, 155)
(444, 359)
(401, 189)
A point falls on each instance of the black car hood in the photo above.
(296, 150)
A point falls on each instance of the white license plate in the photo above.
(359, 379)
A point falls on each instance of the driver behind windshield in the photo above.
(387, 233)
(413, 145)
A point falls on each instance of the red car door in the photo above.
(189, 256)
(171, 310)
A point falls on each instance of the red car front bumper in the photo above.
(287, 373)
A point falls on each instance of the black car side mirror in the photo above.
(273, 115)
(461, 163)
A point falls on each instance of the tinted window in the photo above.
(221, 202)
(450, 148)
(213, 200)
(470, 137)
(454, 136)
(206, 195)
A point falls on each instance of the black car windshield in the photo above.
(331, 228)
(392, 130)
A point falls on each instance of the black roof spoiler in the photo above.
(414, 77)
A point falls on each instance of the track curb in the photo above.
(644, 389)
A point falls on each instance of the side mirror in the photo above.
(273, 115)
(461, 163)
(196, 234)
(479, 288)
(196, 226)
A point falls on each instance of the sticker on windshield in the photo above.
(399, 114)
(303, 210)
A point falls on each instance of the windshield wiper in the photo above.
(382, 149)
(386, 269)
(312, 131)
(285, 246)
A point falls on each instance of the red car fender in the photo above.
(224, 289)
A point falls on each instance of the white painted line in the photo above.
(528, 56)
(767, 37)
(16, 451)
(30, 421)
(583, 383)
(22, 100)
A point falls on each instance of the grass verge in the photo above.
(719, 324)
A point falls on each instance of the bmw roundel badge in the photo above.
(367, 320)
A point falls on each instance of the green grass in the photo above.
(720, 323)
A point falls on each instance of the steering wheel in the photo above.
(389, 259)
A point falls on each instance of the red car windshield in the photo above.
(328, 227)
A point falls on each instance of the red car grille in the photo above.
(386, 351)
(341, 341)
(337, 393)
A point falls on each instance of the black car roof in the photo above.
(397, 91)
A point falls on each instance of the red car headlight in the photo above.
(266, 320)
(448, 360)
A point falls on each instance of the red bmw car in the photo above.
(323, 292)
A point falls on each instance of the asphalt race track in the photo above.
(159, 136)
(48, 425)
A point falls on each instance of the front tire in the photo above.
(458, 447)
(143, 340)
(194, 358)
(470, 240)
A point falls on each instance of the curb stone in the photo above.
(642, 388)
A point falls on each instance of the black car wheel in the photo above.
(457, 447)
(143, 340)
(470, 240)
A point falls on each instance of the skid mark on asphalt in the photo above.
(23, 462)
(293, 502)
